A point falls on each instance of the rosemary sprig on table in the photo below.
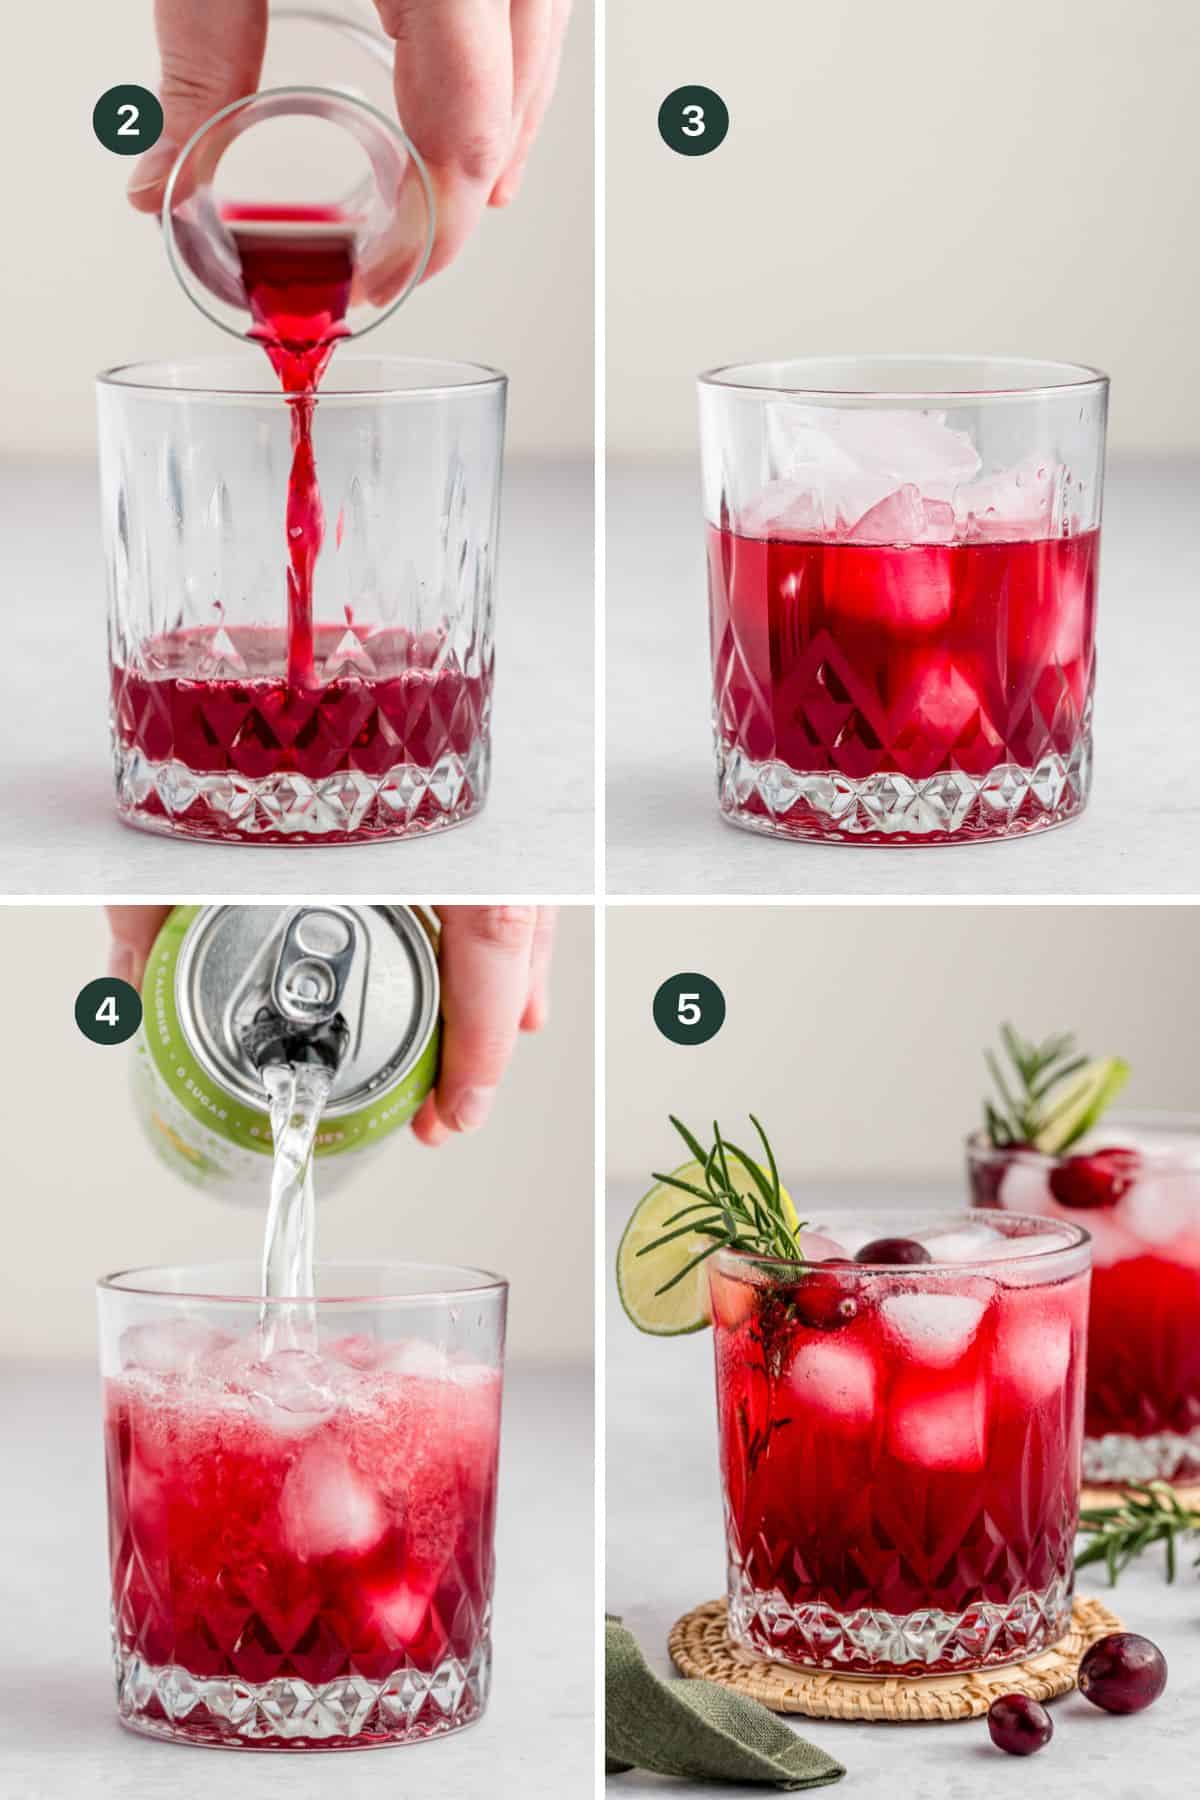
(751, 1216)
(1037, 1069)
(1150, 1513)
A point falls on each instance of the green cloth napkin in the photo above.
(697, 1728)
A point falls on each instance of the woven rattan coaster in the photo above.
(700, 1647)
(1188, 1491)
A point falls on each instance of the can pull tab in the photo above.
(313, 965)
(301, 1022)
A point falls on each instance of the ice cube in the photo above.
(837, 1379)
(401, 1609)
(841, 466)
(817, 1245)
(937, 1424)
(1012, 504)
(413, 1356)
(170, 1346)
(904, 517)
(327, 1506)
(971, 1243)
(1162, 1205)
(909, 446)
(1024, 1188)
(941, 705)
(936, 1329)
(292, 1390)
(1033, 1350)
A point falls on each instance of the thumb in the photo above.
(211, 53)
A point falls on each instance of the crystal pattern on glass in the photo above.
(391, 736)
(301, 1543)
(900, 1453)
(903, 559)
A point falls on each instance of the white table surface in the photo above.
(60, 835)
(59, 1736)
(1139, 835)
(666, 1554)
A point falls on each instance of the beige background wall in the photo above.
(84, 282)
(1007, 176)
(84, 1194)
(855, 1032)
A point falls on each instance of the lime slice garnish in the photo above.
(683, 1307)
(1080, 1103)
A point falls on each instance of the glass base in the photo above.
(350, 1713)
(867, 1641)
(286, 808)
(1119, 1457)
(950, 807)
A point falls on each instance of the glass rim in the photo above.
(727, 377)
(122, 1281)
(980, 1146)
(482, 379)
(1045, 1227)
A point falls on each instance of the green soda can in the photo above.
(229, 987)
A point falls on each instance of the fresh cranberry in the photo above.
(1123, 1673)
(825, 1302)
(1018, 1725)
(893, 1250)
(1097, 1180)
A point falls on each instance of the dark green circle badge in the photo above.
(693, 121)
(127, 120)
(108, 1011)
(689, 1009)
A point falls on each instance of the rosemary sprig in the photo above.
(1026, 1090)
(746, 1214)
(1150, 1513)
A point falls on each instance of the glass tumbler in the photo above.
(900, 1444)
(1135, 1183)
(301, 1503)
(902, 563)
(385, 730)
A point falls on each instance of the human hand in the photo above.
(133, 930)
(472, 81)
(495, 969)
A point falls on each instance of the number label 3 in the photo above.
(693, 121)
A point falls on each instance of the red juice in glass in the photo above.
(863, 661)
(903, 557)
(900, 1446)
(301, 1541)
(393, 710)
(1134, 1184)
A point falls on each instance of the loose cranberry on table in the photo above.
(893, 1250)
(1123, 1673)
(1099, 1179)
(1018, 1725)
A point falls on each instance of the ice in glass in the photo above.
(301, 1507)
(902, 589)
(900, 1443)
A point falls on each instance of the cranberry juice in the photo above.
(900, 1455)
(307, 1518)
(297, 268)
(1138, 1194)
(861, 660)
(218, 701)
